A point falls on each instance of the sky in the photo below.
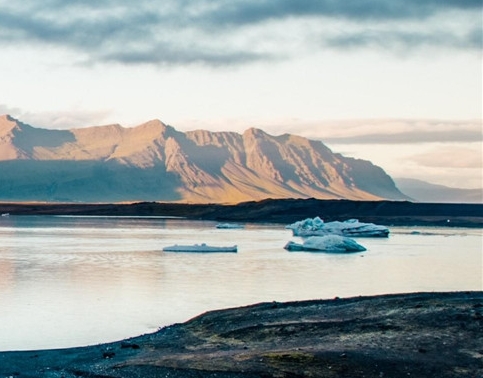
(396, 82)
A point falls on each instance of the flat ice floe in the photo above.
(204, 248)
(327, 243)
(352, 227)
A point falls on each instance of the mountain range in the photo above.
(423, 191)
(155, 162)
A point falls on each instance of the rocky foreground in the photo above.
(406, 335)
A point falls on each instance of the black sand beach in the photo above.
(406, 335)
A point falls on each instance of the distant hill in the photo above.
(155, 162)
(422, 191)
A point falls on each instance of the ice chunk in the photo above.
(327, 243)
(229, 225)
(351, 227)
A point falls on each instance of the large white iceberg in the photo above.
(352, 227)
(327, 243)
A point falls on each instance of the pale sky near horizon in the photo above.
(396, 82)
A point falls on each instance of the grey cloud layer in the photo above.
(450, 157)
(412, 137)
(215, 32)
(248, 12)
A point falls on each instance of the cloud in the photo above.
(5, 109)
(58, 120)
(396, 131)
(411, 137)
(249, 12)
(167, 55)
(450, 157)
(399, 40)
(236, 32)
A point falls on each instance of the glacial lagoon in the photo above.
(72, 281)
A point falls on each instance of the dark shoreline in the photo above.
(400, 335)
(390, 213)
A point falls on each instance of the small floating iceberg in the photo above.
(327, 243)
(229, 225)
(352, 227)
(199, 248)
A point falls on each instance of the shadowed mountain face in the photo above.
(155, 162)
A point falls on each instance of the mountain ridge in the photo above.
(423, 191)
(154, 161)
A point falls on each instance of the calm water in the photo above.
(70, 281)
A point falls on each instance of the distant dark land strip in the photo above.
(396, 213)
